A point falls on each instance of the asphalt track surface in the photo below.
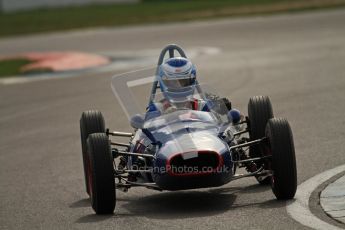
(296, 59)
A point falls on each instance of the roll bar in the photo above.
(170, 48)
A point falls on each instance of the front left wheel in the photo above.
(101, 174)
(281, 145)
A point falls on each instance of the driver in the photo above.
(177, 81)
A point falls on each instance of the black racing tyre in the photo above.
(101, 174)
(91, 121)
(284, 178)
(259, 112)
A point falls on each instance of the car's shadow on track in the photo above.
(80, 203)
(186, 204)
(181, 204)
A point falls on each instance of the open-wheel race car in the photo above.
(178, 145)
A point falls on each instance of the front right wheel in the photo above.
(91, 121)
(281, 145)
(259, 112)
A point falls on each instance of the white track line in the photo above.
(299, 210)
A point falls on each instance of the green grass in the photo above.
(148, 11)
(12, 67)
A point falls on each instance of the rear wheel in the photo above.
(259, 112)
(101, 174)
(284, 178)
(91, 121)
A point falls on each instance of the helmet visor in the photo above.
(179, 96)
(178, 83)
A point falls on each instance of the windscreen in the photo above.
(139, 92)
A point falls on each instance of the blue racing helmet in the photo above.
(177, 79)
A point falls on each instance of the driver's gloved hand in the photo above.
(235, 116)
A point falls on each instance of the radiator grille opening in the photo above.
(205, 162)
